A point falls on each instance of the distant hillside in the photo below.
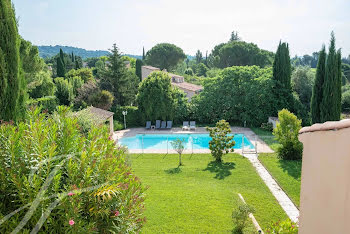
(49, 51)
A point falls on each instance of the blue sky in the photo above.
(190, 24)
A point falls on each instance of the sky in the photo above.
(189, 24)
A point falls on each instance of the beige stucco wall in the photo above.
(325, 182)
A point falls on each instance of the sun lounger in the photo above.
(148, 125)
(185, 126)
(169, 124)
(193, 125)
(158, 124)
(163, 125)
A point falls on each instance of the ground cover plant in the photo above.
(200, 196)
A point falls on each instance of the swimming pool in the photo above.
(162, 141)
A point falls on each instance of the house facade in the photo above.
(176, 80)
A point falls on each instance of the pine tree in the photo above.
(143, 54)
(330, 110)
(61, 71)
(282, 77)
(12, 85)
(317, 92)
(117, 80)
(138, 69)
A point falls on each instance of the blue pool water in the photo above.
(162, 141)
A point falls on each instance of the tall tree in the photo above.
(234, 36)
(282, 77)
(199, 56)
(143, 54)
(62, 57)
(330, 110)
(138, 69)
(165, 56)
(73, 59)
(317, 92)
(61, 71)
(12, 84)
(118, 80)
(77, 65)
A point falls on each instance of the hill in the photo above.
(49, 51)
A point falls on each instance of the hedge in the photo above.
(48, 103)
(133, 118)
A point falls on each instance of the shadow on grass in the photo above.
(172, 171)
(222, 169)
(292, 167)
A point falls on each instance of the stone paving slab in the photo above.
(282, 198)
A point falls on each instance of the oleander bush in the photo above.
(71, 182)
(286, 226)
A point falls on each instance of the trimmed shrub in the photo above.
(117, 125)
(85, 178)
(64, 91)
(286, 132)
(345, 103)
(48, 103)
(267, 126)
(221, 143)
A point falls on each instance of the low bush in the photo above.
(133, 118)
(76, 183)
(286, 133)
(267, 126)
(117, 125)
(48, 103)
(240, 216)
(286, 226)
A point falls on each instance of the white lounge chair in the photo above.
(193, 125)
(185, 126)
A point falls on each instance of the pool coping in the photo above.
(262, 147)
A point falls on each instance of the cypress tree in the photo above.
(282, 76)
(143, 54)
(12, 86)
(61, 71)
(330, 110)
(62, 57)
(77, 66)
(317, 92)
(73, 57)
(138, 69)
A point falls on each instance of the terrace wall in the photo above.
(325, 179)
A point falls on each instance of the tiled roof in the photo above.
(151, 68)
(188, 86)
(98, 114)
(327, 126)
(174, 75)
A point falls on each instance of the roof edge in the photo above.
(327, 126)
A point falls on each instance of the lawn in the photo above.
(267, 137)
(287, 173)
(199, 197)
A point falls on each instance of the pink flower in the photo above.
(70, 194)
(71, 222)
(116, 213)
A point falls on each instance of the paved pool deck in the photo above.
(261, 146)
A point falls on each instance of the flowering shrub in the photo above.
(283, 227)
(65, 181)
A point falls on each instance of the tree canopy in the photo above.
(165, 56)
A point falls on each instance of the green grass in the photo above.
(200, 196)
(287, 173)
(267, 137)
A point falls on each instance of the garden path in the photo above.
(282, 198)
